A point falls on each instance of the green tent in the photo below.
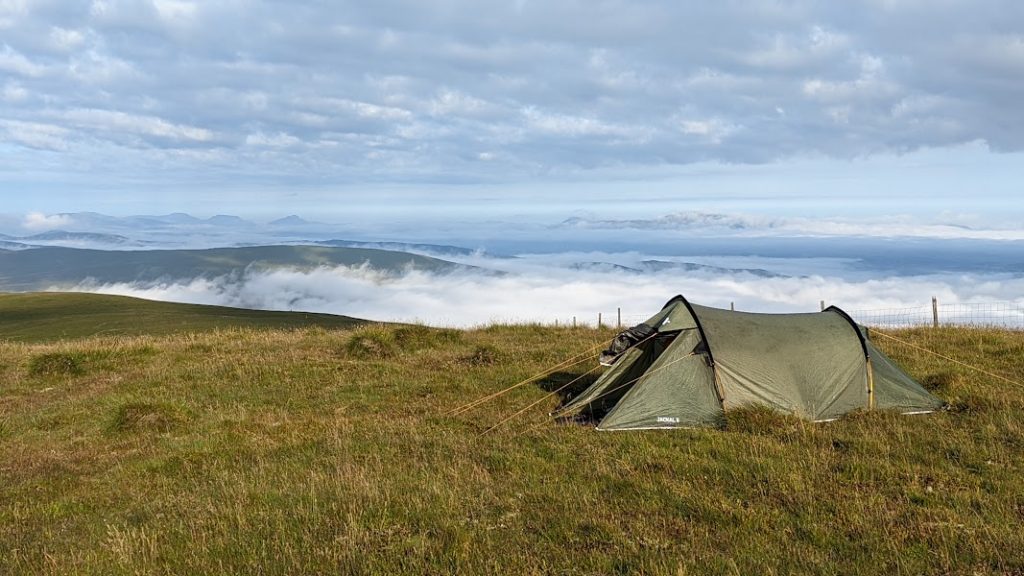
(688, 364)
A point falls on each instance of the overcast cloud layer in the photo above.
(174, 92)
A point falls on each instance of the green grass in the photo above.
(48, 316)
(309, 451)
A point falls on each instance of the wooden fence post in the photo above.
(618, 317)
(598, 320)
(573, 321)
(935, 312)
(822, 305)
(732, 306)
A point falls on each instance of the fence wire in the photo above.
(1007, 315)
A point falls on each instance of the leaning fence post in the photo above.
(935, 312)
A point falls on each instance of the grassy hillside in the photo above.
(39, 317)
(316, 451)
(42, 268)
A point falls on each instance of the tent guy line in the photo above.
(563, 411)
(573, 361)
(953, 360)
(542, 398)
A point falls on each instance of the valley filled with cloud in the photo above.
(544, 271)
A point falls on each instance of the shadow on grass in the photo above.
(569, 385)
(566, 384)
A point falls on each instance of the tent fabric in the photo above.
(895, 389)
(705, 361)
(755, 353)
(678, 390)
(615, 382)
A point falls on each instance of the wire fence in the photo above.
(1009, 315)
(1006, 315)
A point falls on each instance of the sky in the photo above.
(518, 107)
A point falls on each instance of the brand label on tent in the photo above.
(668, 420)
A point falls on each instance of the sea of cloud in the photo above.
(532, 290)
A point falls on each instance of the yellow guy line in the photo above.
(953, 360)
(579, 359)
(545, 397)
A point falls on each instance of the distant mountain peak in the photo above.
(226, 220)
(179, 218)
(291, 220)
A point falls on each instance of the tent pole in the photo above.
(718, 386)
(871, 385)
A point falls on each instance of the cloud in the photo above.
(35, 135)
(748, 225)
(145, 125)
(547, 294)
(14, 62)
(66, 39)
(38, 222)
(415, 91)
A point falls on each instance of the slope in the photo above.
(40, 317)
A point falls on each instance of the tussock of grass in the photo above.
(761, 420)
(146, 417)
(56, 364)
(279, 452)
(418, 337)
(480, 356)
(939, 382)
(371, 343)
(380, 342)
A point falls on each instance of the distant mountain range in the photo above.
(64, 238)
(180, 230)
(430, 249)
(58, 267)
(655, 266)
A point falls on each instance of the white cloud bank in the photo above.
(39, 222)
(469, 299)
(749, 225)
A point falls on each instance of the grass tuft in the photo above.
(371, 343)
(761, 421)
(146, 417)
(939, 381)
(56, 364)
(482, 355)
(418, 337)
